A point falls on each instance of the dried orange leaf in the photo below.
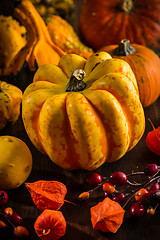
(107, 216)
(47, 194)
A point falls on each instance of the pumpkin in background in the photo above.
(144, 63)
(83, 113)
(107, 22)
(39, 48)
(64, 36)
(10, 100)
(12, 40)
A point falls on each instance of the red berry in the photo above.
(93, 179)
(118, 178)
(155, 196)
(120, 197)
(155, 187)
(3, 198)
(137, 209)
(105, 194)
(15, 218)
(151, 169)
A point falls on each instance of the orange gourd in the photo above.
(63, 35)
(39, 48)
(144, 63)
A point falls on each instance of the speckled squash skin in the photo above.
(12, 40)
(63, 35)
(10, 100)
(84, 129)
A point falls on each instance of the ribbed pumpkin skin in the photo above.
(82, 130)
(104, 23)
(146, 66)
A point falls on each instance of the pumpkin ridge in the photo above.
(70, 141)
(128, 113)
(111, 127)
(69, 147)
(87, 123)
(30, 120)
(108, 129)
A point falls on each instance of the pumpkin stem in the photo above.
(124, 48)
(126, 5)
(76, 83)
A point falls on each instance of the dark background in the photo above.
(78, 217)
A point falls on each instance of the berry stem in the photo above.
(154, 178)
(6, 219)
(104, 180)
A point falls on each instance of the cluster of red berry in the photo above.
(113, 187)
(10, 219)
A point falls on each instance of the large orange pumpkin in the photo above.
(144, 63)
(107, 22)
(83, 113)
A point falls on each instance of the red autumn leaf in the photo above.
(47, 194)
(107, 216)
(50, 224)
(153, 140)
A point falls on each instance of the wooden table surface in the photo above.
(78, 217)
